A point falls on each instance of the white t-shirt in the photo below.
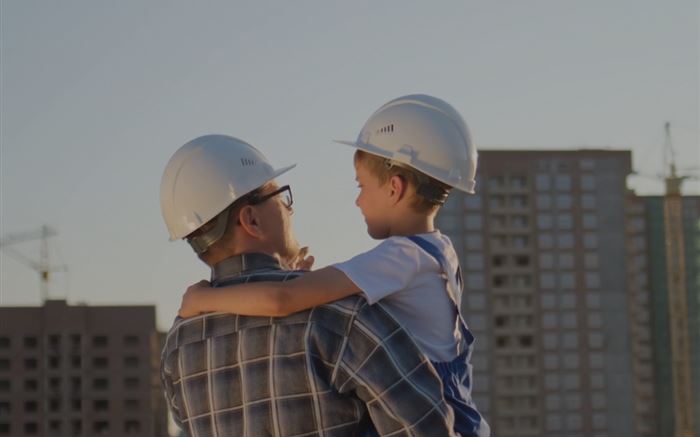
(410, 283)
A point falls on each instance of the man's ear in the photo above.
(249, 220)
(397, 188)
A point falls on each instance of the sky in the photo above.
(96, 96)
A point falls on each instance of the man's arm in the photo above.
(383, 366)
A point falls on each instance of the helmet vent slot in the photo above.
(246, 162)
(386, 129)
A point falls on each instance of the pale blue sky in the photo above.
(96, 96)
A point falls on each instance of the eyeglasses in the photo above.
(285, 191)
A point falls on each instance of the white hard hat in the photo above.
(207, 175)
(425, 133)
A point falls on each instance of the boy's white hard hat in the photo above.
(207, 175)
(425, 133)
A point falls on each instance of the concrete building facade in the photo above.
(544, 247)
(80, 371)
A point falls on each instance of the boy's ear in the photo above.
(397, 188)
(249, 220)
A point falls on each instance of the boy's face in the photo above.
(373, 202)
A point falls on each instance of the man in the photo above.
(327, 371)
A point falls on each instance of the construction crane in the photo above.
(42, 266)
(677, 295)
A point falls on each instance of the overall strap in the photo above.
(454, 282)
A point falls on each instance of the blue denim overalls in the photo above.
(456, 375)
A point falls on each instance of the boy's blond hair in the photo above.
(384, 169)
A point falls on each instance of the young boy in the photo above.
(411, 152)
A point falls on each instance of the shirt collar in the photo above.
(241, 264)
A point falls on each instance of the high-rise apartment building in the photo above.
(80, 371)
(544, 245)
(661, 335)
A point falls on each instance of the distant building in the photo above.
(560, 314)
(80, 371)
(658, 270)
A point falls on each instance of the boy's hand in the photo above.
(192, 298)
(302, 261)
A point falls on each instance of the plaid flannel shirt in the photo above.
(322, 372)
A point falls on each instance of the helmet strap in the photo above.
(202, 241)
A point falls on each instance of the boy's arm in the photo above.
(269, 298)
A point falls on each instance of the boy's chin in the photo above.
(378, 234)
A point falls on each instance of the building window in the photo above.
(473, 262)
(590, 221)
(5, 429)
(496, 201)
(498, 260)
(76, 404)
(562, 182)
(55, 384)
(31, 428)
(518, 181)
(30, 363)
(75, 342)
(54, 362)
(4, 385)
(100, 384)
(565, 241)
(100, 362)
(570, 340)
(4, 408)
(55, 426)
(543, 182)
(566, 261)
(4, 343)
(76, 361)
(31, 385)
(473, 241)
(564, 201)
(472, 222)
(500, 281)
(544, 221)
(101, 405)
(595, 340)
(518, 201)
(100, 341)
(131, 404)
(30, 342)
(550, 341)
(76, 384)
(30, 407)
(587, 182)
(522, 260)
(568, 300)
(592, 280)
(77, 426)
(472, 202)
(588, 201)
(4, 364)
(101, 427)
(547, 280)
(519, 221)
(55, 341)
(565, 221)
(548, 301)
(475, 281)
(549, 320)
(54, 405)
(132, 427)
(520, 242)
(543, 201)
(131, 383)
(551, 361)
